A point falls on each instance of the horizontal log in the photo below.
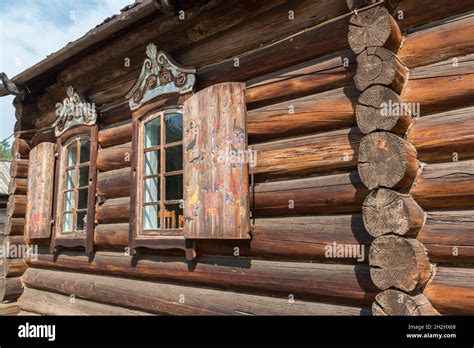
(16, 206)
(432, 10)
(9, 309)
(312, 238)
(162, 298)
(48, 303)
(431, 98)
(429, 45)
(114, 112)
(445, 185)
(9, 241)
(451, 291)
(19, 168)
(43, 136)
(14, 226)
(116, 135)
(444, 137)
(18, 186)
(12, 267)
(448, 237)
(113, 210)
(115, 157)
(340, 193)
(20, 148)
(314, 76)
(342, 284)
(114, 183)
(10, 288)
(319, 153)
(318, 112)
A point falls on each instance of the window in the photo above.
(161, 174)
(75, 187)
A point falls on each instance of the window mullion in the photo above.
(162, 170)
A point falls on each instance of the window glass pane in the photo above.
(152, 162)
(71, 155)
(70, 175)
(68, 200)
(152, 133)
(67, 223)
(151, 190)
(174, 187)
(173, 216)
(174, 158)
(82, 199)
(81, 220)
(151, 217)
(83, 176)
(173, 128)
(85, 151)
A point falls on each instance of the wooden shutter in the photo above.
(216, 186)
(39, 205)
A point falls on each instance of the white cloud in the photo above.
(32, 29)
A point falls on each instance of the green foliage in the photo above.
(5, 150)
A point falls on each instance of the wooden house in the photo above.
(309, 157)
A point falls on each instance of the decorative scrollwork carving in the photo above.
(73, 111)
(160, 75)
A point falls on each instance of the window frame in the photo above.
(162, 174)
(136, 237)
(73, 239)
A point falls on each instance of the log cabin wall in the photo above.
(302, 99)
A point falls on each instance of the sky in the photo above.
(32, 29)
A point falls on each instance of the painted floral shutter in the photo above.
(216, 183)
(39, 205)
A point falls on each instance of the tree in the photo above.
(5, 150)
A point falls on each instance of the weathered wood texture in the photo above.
(344, 284)
(386, 160)
(12, 267)
(115, 157)
(448, 237)
(18, 186)
(379, 66)
(14, 226)
(16, 206)
(451, 291)
(20, 148)
(398, 262)
(386, 211)
(312, 238)
(374, 111)
(19, 168)
(393, 302)
(216, 198)
(40, 191)
(10, 288)
(444, 137)
(429, 45)
(49, 303)
(9, 308)
(445, 185)
(115, 135)
(113, 210)
(160, 298)
(320, 153)
(114, 183)
(374, 27)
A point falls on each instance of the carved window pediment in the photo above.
(160, 75)
(73, 111)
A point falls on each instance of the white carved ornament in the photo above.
(160, 75)
(73, 111)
